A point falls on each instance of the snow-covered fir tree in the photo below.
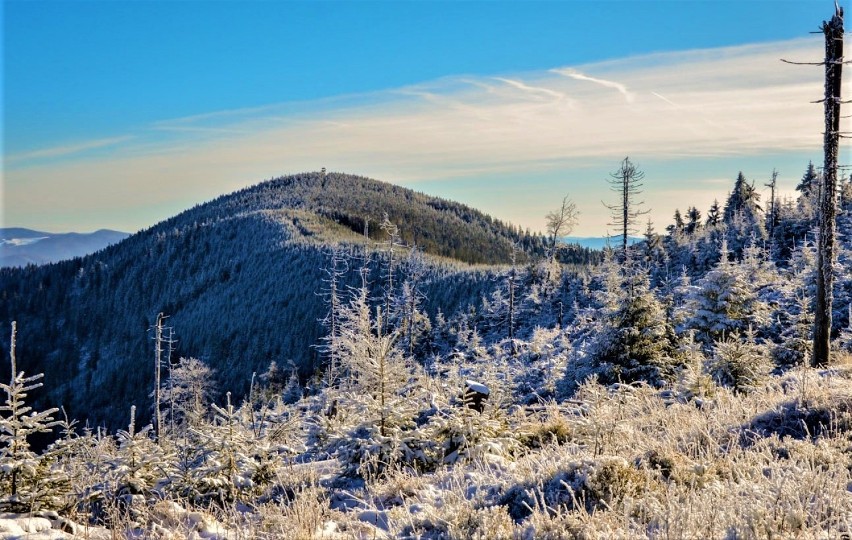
(25, 475)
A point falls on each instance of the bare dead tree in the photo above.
(773, 214)
(626, 181)
(411, 294)
(162, 336)
(12, 349)
(334, 273)
(827, 207)
(393, 241)
(511, 285)
(561, 222)
(170, 343)
(833, 31)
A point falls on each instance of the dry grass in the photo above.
(629, 462)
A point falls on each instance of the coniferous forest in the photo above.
(329, 356)
(323, 378)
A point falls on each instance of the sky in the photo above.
(119, 114)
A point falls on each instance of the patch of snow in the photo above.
(477, 387)
(34, 524)
(376, 518)
(9, 528)
(345, 501)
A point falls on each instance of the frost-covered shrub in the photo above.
(366, 453)
(304, 515)
(796, 335)
(230, 457)
(611, 481)
(589, 485)
(463, 435)
(486, 523)
(139, 465)
(693, 380)
(740, 364)
(26, 477)
(544, 358)
(552, 428)
(366, 446)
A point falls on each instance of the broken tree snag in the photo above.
(475, 395)
(833, 31)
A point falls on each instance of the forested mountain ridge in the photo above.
(437, 226)
(240, 278)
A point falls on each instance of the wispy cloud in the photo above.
(66, 149)
(538, 90)
(574, 74)
(667, 100)
(725, 103)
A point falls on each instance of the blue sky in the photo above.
(119, 114)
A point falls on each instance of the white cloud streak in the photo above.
(737, 101)
(574, 74)
(66, 149)
(532, 89)
(667, 100)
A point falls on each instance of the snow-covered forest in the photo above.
(662, 391)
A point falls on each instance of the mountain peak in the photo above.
(359, 204)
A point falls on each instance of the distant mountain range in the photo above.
(241, 280)
(598, 242)
(20, 247)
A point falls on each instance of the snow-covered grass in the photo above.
(636, 419)
(624, 461)
(632, 465)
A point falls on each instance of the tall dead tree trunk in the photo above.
(773, 212)
(513, 275)
(158, 362)
(833, 31)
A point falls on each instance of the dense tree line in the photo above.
(241, 279)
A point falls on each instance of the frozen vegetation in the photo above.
(665, 392)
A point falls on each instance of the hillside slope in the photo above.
(239, 278)
(437, 226)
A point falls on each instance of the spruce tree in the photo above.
(714, 214)
(140, 464)
(677, 226)
(653, 249)
(335, 271)
(694, 223)
(743, 217)
(21, 469)
(724, 301)
(228, 453)
(637, 341)
(743, 198)
(809, 184)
